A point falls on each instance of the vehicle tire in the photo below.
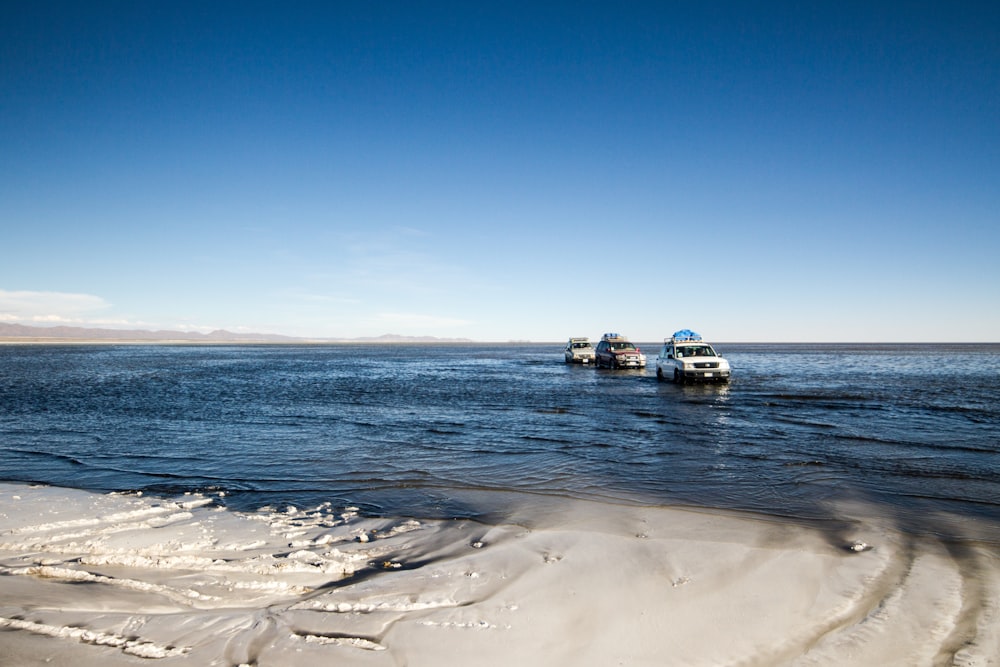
(677, 377)
(659, 375)
(614, 364)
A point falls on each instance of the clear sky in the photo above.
(503, 170)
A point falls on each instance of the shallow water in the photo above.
(401, 429)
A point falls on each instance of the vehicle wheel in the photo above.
(659, 375)
(677, 377)
(614, 364)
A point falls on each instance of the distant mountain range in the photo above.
(21, 333)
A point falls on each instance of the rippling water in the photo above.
(400, 429)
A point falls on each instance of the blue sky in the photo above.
(503, 171)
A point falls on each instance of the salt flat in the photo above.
(93, 579)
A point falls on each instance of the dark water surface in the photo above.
(400, 429)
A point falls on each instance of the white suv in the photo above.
(686, 358)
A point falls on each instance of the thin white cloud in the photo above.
(314, 298)
(399, 260)
(419, 321)
(50, 307)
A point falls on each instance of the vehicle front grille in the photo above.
(707, 364)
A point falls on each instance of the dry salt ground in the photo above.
(106, 580)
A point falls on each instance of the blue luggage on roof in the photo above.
(686, 334)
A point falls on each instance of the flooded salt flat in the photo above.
(399, 428)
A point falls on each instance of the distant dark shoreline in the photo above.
(248, 342)
(20, 334)
(23, 334)
(650, 348)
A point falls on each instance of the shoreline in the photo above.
(551, 582)
(377, 342)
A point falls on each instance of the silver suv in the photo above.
(579, 351)
(686, 358)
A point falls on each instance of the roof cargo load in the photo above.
(686, 335)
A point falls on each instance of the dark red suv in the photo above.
(615, 351)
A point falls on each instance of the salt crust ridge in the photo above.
(183, 581)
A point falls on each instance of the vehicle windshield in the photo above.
(581, 344)
(695, 351)
(622, 346)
